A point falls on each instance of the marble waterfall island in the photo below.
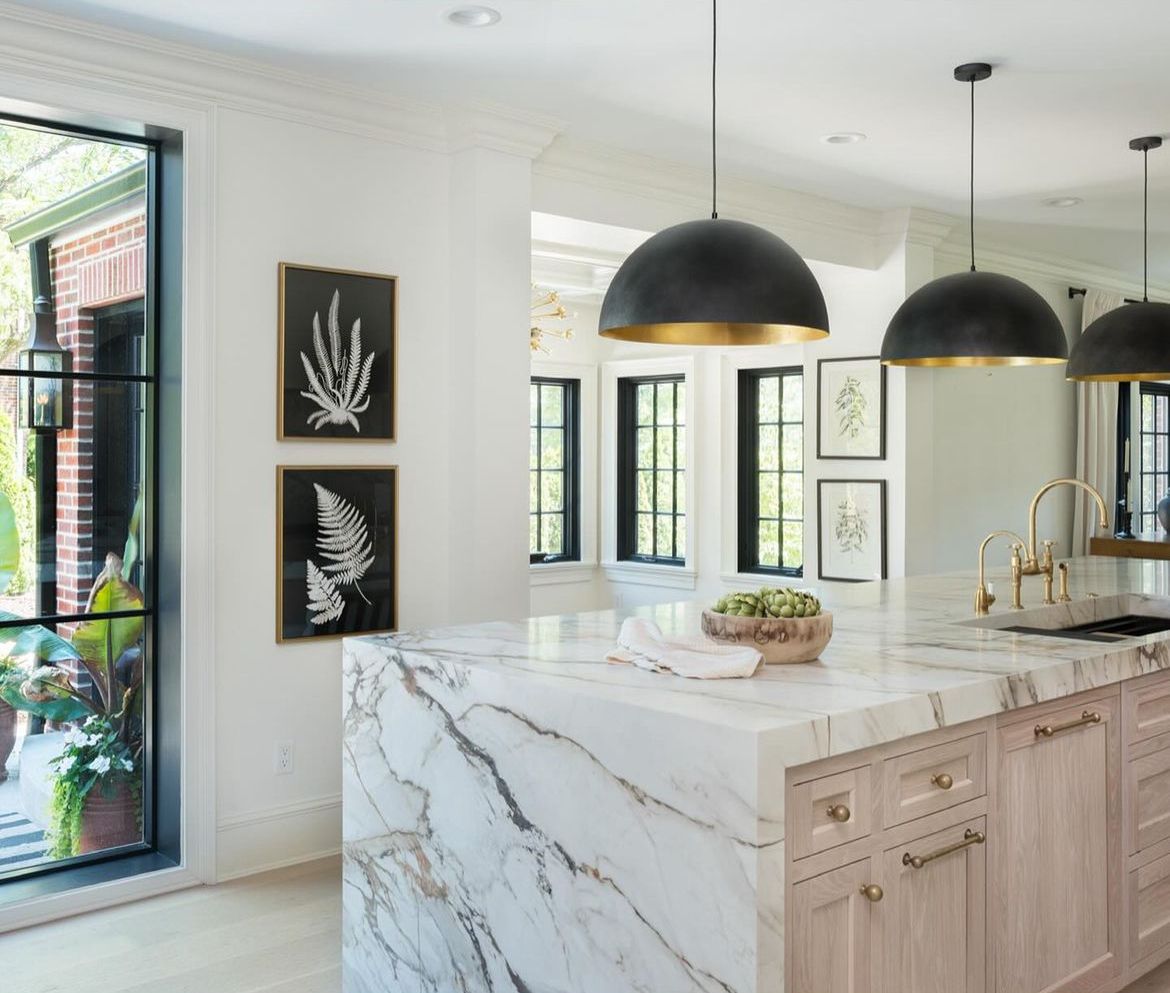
(521, 816)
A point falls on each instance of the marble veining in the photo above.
(521, 816)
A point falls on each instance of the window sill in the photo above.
(555, 573)
(758, 579)
(648, 574)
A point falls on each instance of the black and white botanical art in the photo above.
(339, 382)
(337, 355)
(337, 550)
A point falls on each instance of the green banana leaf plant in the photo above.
(36, 663)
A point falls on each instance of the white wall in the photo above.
(996, 436)
(455, 232)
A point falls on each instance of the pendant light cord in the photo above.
(714, 54)
(971, 184)
(1145, 225)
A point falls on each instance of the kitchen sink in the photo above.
(1100, 619)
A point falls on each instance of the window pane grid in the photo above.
(552, 457)
(1154, 454)
(652, 488)
(771, 471)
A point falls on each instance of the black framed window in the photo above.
(554, 515)
(651, 478)
(1154, 453)
(771, 471)
(96, 630)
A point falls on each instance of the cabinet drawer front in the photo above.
(830, 928)
(1149, 909)
(1147, 707)
(1147, 791)
(819, 823)
(933, 779)
(929, 934)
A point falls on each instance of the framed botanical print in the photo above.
(851, 529)
(337, 355)
(851, 408)
(336, 551)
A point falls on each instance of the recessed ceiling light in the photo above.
(474, 16)
(1062, 201)
(843, 138)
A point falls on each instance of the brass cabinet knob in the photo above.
(943, 780)
(839, 813)
(872, 892)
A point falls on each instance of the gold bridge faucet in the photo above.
(1026, 561)
(1033, 564)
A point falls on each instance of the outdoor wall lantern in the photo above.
(45, 401)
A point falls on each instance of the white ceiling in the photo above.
(1074, 80)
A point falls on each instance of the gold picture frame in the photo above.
(284, 271)
(329, 472)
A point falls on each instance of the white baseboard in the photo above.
(274, 837)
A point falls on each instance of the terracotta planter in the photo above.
(7, 736)
(108, 823)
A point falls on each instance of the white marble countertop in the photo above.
(901, 660)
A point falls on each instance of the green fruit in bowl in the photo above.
(769, 602)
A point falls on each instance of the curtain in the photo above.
(1096, 434)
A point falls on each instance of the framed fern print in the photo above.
(336, 551)
(851, 408)
(337, 355)
(851, 529)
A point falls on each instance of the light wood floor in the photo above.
(279, 932)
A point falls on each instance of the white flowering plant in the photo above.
(94, 758)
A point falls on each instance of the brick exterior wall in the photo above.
(91, 270)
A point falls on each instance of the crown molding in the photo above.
(52, 47)
(582, 273)
(917, 226)
(1004, 258)
(817, 227)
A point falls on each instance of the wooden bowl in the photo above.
(778, 639)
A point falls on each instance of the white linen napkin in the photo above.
(641, 643)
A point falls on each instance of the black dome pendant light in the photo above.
(974, 318)
(714, 282)
(1130, 342)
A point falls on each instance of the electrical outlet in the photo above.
(283, 759)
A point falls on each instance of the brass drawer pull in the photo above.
(943, 780)
(969, 838)
(839, 813)
(872, 892)
(1048, 730)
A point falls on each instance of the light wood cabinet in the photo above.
(830, 931)
(1057, 859)
(1149, 910)
(929, 930)
(1069, 893)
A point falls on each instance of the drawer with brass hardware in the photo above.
(1145, 704)
(926, 781)
(830, 811)
(1147, 794)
